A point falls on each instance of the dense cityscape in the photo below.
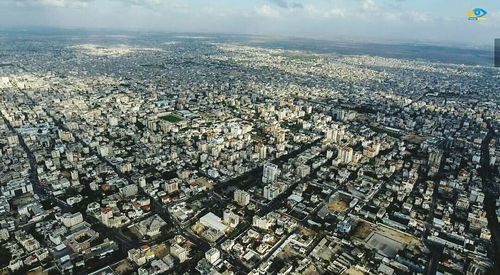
(190, 154)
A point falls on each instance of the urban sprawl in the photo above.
(190, 155)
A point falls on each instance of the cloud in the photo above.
(313, 11)
(84, 3)
(286, 4)
(368, 5)
(144, 3)
(51, 3)
(419, 17)
(267, 11)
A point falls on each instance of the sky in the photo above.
(429, 21)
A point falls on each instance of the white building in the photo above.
(231, 218)
(213, 255)
(210, 220)
(346, 154)
(179, 252)
(261, 150)
(241, 197)
(334, 134)
(70, 220)
(129, 190)
(271, 192)
(303, 170)
(270, 173)
(261, 222)
(16, 187)
(172, 186)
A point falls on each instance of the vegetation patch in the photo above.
(172, 118)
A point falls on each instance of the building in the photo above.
(70, 220)
(106, 215)
(141, 255)
(109, 220)
(4, 234)
(346, 154)
(262, 222)
(210, 220)
(270, 173)
(435, 157)
(129, 190)
(213, 255)
(151, 226)
(271, 191)
(231, 218)
(16, 187)
(12, 140)
(303, 170)
(241, 197)
(172, 186)
(261, 150)
(334, 134)
(113, 121)
(179, 252)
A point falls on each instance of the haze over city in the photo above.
(442, 21)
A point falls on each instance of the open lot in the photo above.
(386, 240)
(384, 245)
(339, 205)
(363, 230)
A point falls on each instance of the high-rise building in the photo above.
(151, 125)
(241, 197)
(13, 139)
(372, 150)
(179, 252)
(345, 154)
(329, 135)
(435, 157)
(261, 149)
(213, 255)
(106, 216)
(271, 192)
(280, 137)
(231, 218)
(270, 173)
(70, 220)
(113, 121)
(172, 186)
(303, 170)
(129, 190)
(334, 134)
(261, 222)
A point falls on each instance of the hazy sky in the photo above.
(403, 20)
